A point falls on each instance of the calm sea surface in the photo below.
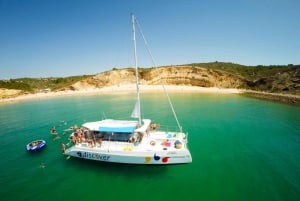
(242, 148)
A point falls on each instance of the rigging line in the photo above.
(133, 18)
(155, 66)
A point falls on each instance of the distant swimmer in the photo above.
(63, 122)
(42, 165)
(56, 138)
(53, 130)
(63, 148)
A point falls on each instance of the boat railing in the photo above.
(168, 128)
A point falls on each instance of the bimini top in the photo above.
(111, 125)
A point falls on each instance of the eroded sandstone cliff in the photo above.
(183, 75)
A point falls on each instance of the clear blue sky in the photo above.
(42, 38)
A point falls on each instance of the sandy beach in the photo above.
(119, 89)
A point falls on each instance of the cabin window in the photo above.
(116, 136)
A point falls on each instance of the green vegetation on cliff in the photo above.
(33, 85)
(251, 72)
(274, 78)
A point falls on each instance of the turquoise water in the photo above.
(242, 148)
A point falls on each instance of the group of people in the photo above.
(35, 143)
(81, 135)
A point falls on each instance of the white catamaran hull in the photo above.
(130, 157)
(144, 145)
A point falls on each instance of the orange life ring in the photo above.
(152, 142)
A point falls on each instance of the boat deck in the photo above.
(154, 141)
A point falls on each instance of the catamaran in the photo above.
(130, 141)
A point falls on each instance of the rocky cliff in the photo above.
(183, 75)
(269, 79)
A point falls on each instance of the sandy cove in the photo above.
(119, 89)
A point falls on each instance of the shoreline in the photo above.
(290, 99)
(131, 88)
(120, 89)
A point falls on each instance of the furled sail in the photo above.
(136, 111)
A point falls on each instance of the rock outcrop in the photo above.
(279, 82)
(10, 93)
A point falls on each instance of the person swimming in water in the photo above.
(42, 165)
(53, 130)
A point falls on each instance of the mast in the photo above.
(138, 104)
(154, 64)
